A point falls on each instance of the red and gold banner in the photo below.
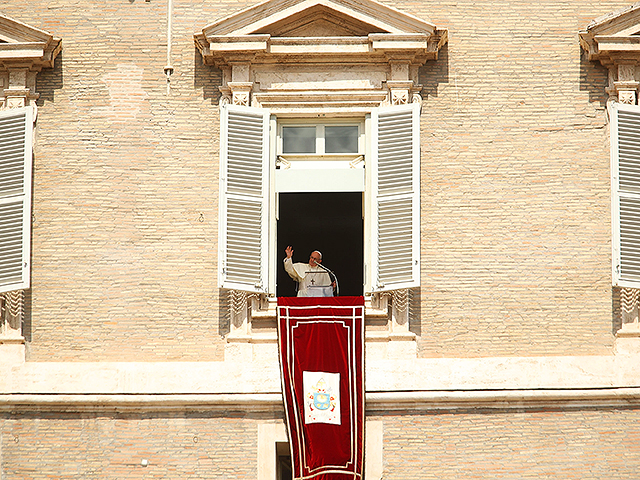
(321, 344)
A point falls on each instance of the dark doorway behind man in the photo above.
(329, 222)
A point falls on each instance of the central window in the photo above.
(349, 183)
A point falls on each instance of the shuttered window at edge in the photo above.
(244, 176)
(625, 145)
(395, 165)
(16, 134)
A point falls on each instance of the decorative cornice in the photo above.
(26, 46)
(331, 56)
(24, 51)
(375, 402)
(278, 15)
(614, 41)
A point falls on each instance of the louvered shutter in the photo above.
(244, 182)
(394, 226)
(625, 170)
(16, 142)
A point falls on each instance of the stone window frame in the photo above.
(281, 55)
(613, 40)
(24, 52)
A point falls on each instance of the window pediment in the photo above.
(27, 45)
(614, 41)
(319, 21)
(24, 51)
(330, 55)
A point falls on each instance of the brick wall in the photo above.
(573, 444)
(515, 184)
(107, 446)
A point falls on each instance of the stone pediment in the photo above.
(358, 53)
(614, 41)
(320, 21)
(616, 34)
(354, 27)
(20, 43)
(24, 51)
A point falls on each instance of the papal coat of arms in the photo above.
(322, 397)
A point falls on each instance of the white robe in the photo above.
(306, 275)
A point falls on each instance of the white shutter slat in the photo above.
(395, 151)
(630, 238)
(16, 139)
(244, 181)
(395, 243)
(628, 150)
(395, 164)
(11, 239)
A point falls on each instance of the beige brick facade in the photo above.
(515, 187)
(116, 446)
(481, 445)
(516, 239)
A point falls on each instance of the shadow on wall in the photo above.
(433, 73)
(207, 78)
(593, 78)
(49, 80)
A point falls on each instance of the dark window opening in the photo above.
(329, 222)
(283, 462)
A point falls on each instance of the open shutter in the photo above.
(625, 171)
(16, 143)
(394, 223)
(244, 181)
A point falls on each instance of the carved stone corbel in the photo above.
(240, 93)
(239, 325)
(21, 88)
(11, 316)
(626, 85)
(400, 311)
(629, 334)
(629, 303)
(398, 300)
(398, 342)
(400, 92)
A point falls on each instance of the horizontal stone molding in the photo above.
(376, 402)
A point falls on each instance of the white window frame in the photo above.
(16, 163)
(320, 153)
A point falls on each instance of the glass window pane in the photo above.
(341, 139)
(299, 139)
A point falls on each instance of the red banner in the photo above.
(321, 344)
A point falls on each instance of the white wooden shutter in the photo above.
(625, 171)
(244, 183)
(394, 223)
(16, 143)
